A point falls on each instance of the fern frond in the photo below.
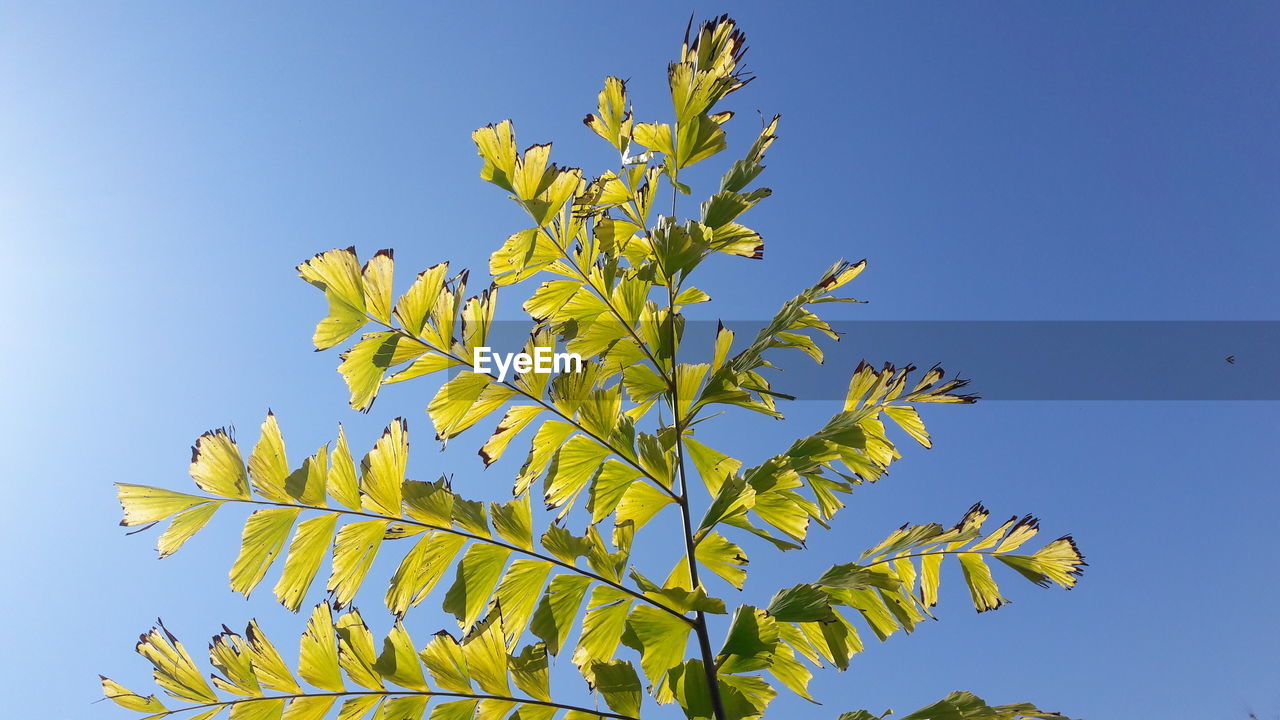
(352, 512)
(892, 587)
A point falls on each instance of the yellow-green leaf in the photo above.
(495, 709)
(382, 470)
(602, 627)
(546, 441)
(553, 619)
(409, 707)
(550, 297)
(377, 276)
(318, 652)
(228, 654)
(358, 707)
(575, 464)
(523, 255)
(264, 709)
(531, 171)
(416, 304)
(456, 710)
(516, 419)
(217, 467)
(444, 660)
(272, 671)
(791, 672)
(698, 139)
(496, 144)
(337, 273)
(476, 578)
(909, 420)
(264, 535)
(341, 481)
(712, 466)
(144, 505)
(268, 465)
(985, 592)
(612, 120)
(618, 684)
(513, 522)
(175, 671)
(477, 318)
(608, 488)
(307, 550)
(655, 136)
(1060, 562)
(129, 700)
(640, 503)
(184, 526)
(311, 707)
(530, 672)
(662, 639)
(353, 552)
(399, 660)
(518, 593)
(486, 654)
(421, 569)
(308, 485)
(723, 558)
(356, 653)
(464, 401)
(365, 364)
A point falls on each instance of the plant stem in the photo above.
(690, 548)
(700, 620)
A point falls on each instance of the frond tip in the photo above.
(892, 587)
(894, 559)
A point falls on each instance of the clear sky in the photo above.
(163, 167)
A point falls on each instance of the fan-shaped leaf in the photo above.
(554, 617)
(477, 576)
(264, 535)
(217, 467)
(307, 550)
(353, 553)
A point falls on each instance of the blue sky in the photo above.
(163, 167)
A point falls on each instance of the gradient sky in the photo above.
(163, 167)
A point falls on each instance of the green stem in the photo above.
(700, 621)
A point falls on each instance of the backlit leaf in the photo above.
(477, 576)
(264, 535)
(307, 550)
(217, 467)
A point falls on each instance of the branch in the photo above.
(395, 693)
(609, 304)
(524, 393)
(471, 536)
